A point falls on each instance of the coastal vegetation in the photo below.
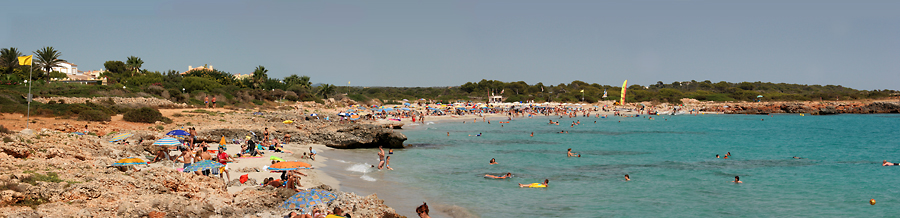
(128, 79)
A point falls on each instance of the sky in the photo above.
(855, 44)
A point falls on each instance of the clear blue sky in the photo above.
(447, 43)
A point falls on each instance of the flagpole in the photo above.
(28, 98)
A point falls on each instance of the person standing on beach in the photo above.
(187, 157)
(266, 134)
(223, 159)
(206, 101)
(214, 102)
(193, 133)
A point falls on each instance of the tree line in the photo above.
(191, 86)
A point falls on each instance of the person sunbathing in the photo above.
(498, 177)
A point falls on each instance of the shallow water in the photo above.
(671, 161)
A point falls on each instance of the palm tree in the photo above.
(134, 63)
(8, 57)
(325, 89)
(259, 77)
(47, 58)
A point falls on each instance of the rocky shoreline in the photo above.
(56, 174)
(814, 108)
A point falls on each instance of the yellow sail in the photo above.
(624, 85)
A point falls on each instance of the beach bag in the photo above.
(244, 178)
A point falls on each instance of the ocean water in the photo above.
(671, 161)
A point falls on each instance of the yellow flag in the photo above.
(25, 60)
(582, 91)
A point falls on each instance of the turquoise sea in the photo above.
(671, 161)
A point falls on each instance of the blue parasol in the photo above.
(203, 165)
(309, 198)
(178, 132)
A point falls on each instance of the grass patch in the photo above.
(37, 177)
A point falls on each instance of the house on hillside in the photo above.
(66, 67)
(191, 68)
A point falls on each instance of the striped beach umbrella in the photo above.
(167, 141)
(129, 161)
(203, 165)
(309, 198)
(289, 165)
(120, 137)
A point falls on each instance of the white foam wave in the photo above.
(360, 168)
(429, 123)
(367, 178)
(339, 160)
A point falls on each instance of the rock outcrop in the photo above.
(815, 108)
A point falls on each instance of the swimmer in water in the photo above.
(627, 178)
(737, 179)
(479, 134)
(448, 133)
(493, 161)
(532, 134)
(498, 177)
(535, 185)
(391, 151)
(570, 154)
(885, 163)
(717, 156)
(795, 157)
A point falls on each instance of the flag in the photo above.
(542, 88)
(348, 82)
(624, 88)
(604, 93)
(582, 91)
(25, 60)
(501, 91)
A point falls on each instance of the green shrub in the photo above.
(93, 115)
(145, 115)
(3, 129)
(258, 102)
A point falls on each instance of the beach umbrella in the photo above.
(203, 165)
(407, 104)
(406, 109)
(355, 116)
(120, 137)
(308, 198)
(289, 165)
(78, 133)
(759, 96)
(275, 158)
(222, 142)
(178, 132)
(129, 161)
(167, 141)
(314, 115)
(287, 121)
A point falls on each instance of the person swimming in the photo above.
(535, 185)
(508, 175)
(569, 153)
(737, 179)
(627, 178)
(885, 163)
(493, 161)
(479, 134)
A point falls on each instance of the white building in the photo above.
(67, 68)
